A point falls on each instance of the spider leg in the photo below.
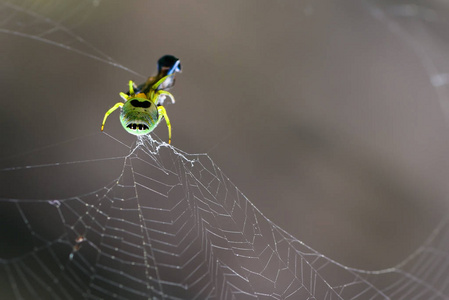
(156, 85)
(124, 96)
(160, 81)
(117, 105)
(131, 88)
(163, 113)
(166, 94)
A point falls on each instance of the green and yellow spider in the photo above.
(143, 110)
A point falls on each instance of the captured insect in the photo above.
(142, 110)
(79, 240)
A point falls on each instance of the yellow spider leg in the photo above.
(124, 96)
(162, 92)
(157, 84)
(163, 113)
(117, 105)
(131, 88)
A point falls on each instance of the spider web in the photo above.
(171, 225)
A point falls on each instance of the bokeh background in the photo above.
(322, 112)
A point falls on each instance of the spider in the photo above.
(142, 110)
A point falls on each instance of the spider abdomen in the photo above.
(139, 116)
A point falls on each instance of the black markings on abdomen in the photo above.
(143, 104)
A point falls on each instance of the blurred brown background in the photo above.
(321, 112)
